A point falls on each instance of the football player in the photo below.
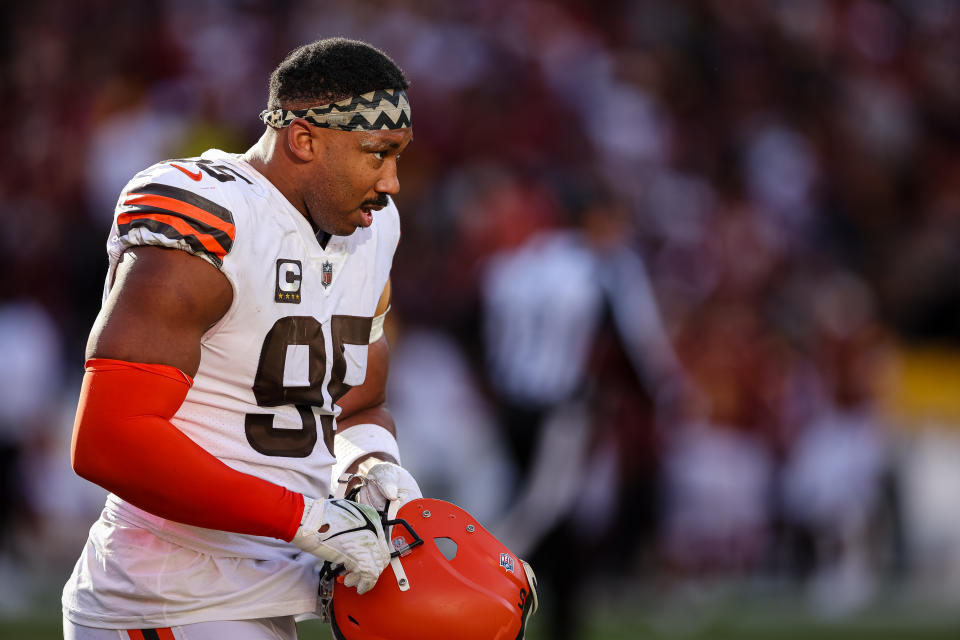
(235, 375)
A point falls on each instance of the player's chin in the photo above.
(348, 225)
(356, 221)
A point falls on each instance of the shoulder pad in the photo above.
(167, 205)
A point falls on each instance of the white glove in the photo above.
(345, 533)
(386, 482)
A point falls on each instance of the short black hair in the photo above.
(330, 70)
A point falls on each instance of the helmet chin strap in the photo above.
(392, 510)
(402, 581)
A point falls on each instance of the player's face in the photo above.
(355, 172)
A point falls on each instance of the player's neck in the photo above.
(260, 155)
(267, 160)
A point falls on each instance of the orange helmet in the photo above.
(449, 578)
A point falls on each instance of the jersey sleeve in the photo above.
(163, 207)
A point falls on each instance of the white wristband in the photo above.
(358, 441)
(312, 514)
(376, 327)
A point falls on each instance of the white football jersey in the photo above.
(263, 401)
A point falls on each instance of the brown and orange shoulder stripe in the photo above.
(179, 214)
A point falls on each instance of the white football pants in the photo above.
(281, 628)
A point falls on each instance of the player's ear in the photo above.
(300, 140)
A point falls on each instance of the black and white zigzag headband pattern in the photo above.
(380, 109)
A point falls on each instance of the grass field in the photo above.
(619, 628)
(743, 619)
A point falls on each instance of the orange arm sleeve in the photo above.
(124, 441)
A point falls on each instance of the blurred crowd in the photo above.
(664, 266)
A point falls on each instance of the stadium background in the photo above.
(789, 173)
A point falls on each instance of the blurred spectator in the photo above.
(836, 477)
(134, 135)
(719, 466)
(29, 387)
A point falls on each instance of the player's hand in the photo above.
(387, 482)
(345, 534)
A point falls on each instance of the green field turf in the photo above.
(733, 623)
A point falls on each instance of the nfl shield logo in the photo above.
(326, 274)
(506, 561)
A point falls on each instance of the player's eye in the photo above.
(380, 155)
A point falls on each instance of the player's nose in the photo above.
(388, 181)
